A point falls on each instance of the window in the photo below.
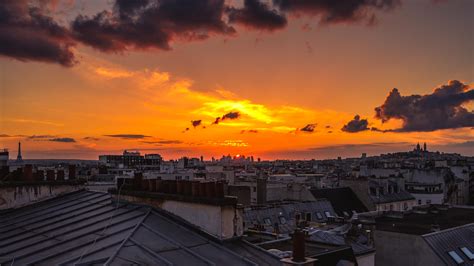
(456, 257)
(419, 202)
(282, 220)
(267, 221)
(405, 206)
(254, 189)
(428, 201)
(308, 216)
(346, 214)
(297, 217)
(328, 214)
(319, 216)
(391, 207)
(468, 253)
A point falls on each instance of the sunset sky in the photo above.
(275, 79)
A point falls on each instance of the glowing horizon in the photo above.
(297, 87)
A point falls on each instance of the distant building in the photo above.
(382, 194)
(4, 169)
(130, 159)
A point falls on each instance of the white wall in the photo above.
(19, 196)
(220, 221)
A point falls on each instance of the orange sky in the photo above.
(278, 82)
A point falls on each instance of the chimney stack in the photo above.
(298, 246)
(299, 251)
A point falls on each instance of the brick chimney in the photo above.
(299, 251)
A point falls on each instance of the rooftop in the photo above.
(343, 199)
(89, 228)
(426, 220)
(458, 240)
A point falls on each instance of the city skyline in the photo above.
(273, 80)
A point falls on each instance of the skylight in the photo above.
(455, 257)
(468, 253)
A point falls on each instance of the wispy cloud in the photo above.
(128, 136)
(33, 121)
(65, 140)
(164, 142)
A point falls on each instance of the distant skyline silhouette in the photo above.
(272, 79)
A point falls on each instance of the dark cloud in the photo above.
(164, 142)
(230, 115)
(329, 12)
(465, 144)
(362, 146)
(26, 34)
(39, 137)
(4, 136)
(257, 15)
(309, 128)
(128, 136)
(65, 140)
(91, 138)
(356, 125)
(148, 24)
(442, 109)
(248, 131)
(196, 123)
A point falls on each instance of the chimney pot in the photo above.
(195, 188)
(298, 246)
(202, 189)
(187, 188)
(152, 185)
(180, 187)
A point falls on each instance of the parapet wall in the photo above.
(20, 194)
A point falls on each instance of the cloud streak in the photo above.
(64, 140)
(128, 136)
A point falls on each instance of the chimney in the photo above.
(299, 251)
(152, 185)
(298, 246)
(195, 188)
(28, 173)
(39, 176)
(60, 175)
(50, 176)
(72, 171)
(261, 190)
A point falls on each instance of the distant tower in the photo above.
(418, 148)
(424, 147)
(19, 158)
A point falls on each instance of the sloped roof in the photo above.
(452, 240)
(88, 228)
(402, 195)
(288, 210)
(343, 199)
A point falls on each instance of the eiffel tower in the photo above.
(19, 159)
